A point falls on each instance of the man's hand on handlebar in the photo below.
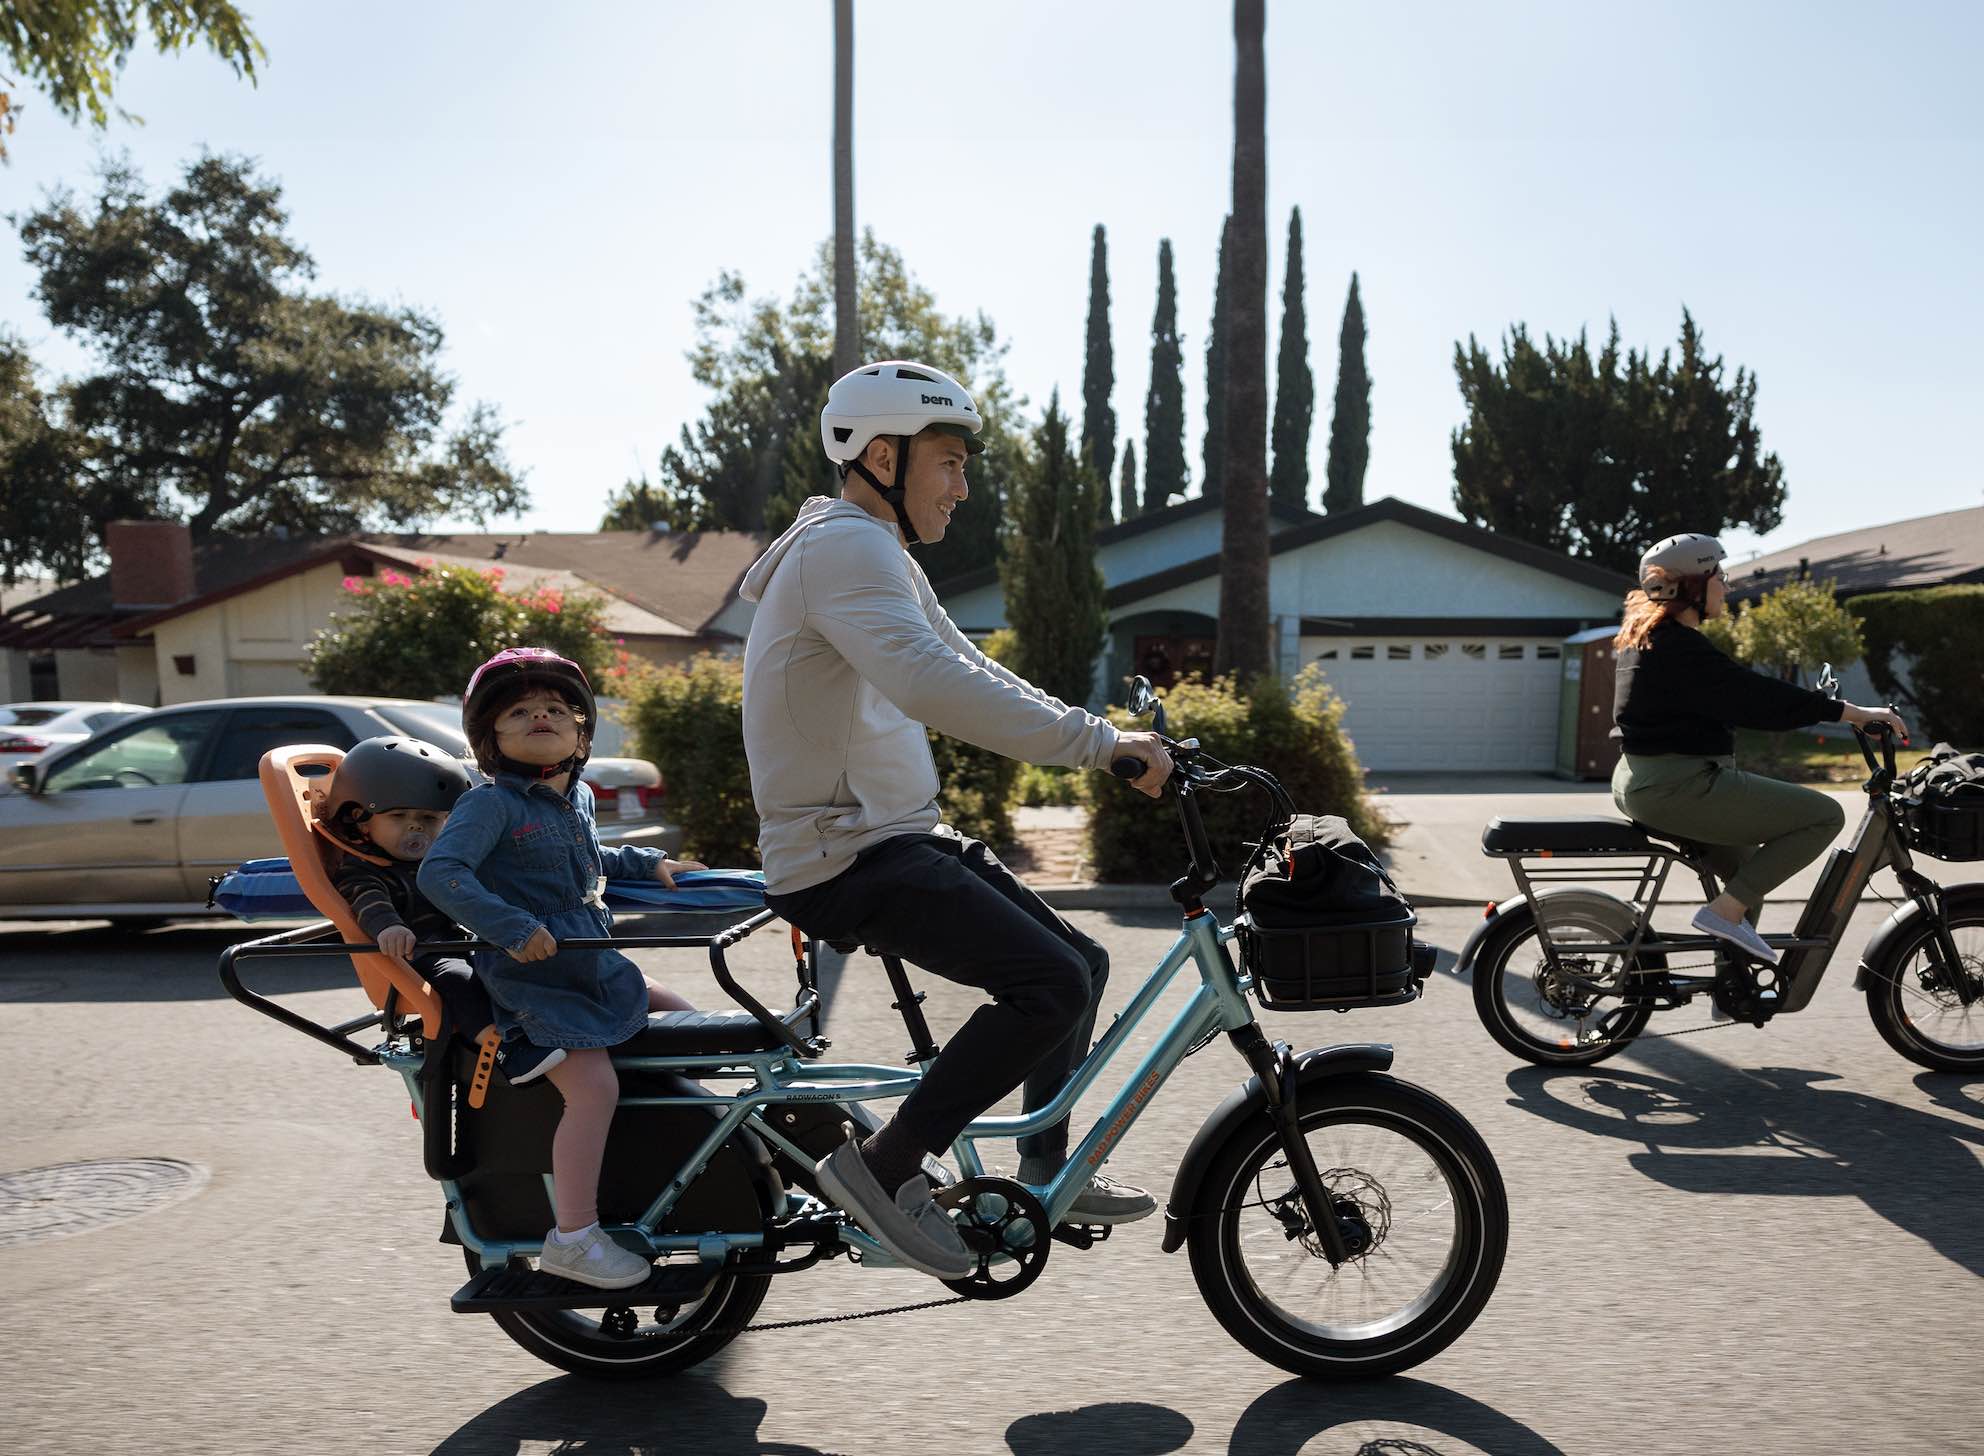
(1148, 749)
(1879, 720)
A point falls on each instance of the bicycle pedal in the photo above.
(1083, 1235)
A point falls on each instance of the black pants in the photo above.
(949, 906)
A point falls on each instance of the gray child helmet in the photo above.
(388, 773)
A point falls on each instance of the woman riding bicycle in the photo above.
(1675, 704)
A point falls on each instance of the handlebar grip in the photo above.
(1127, 767)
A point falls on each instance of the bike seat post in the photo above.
(922, 1049)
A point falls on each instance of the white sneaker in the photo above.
(1739, 933)
(593, 1259)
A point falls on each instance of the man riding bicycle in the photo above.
(850, 655)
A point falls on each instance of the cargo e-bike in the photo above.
(1340, 1222)
(1566, 975)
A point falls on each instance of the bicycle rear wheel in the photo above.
(1419, 1199)
(1570, 1016)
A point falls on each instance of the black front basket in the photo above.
(1944, 830)
(1328, 964)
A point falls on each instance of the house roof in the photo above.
(1184, 510)
(1924, 551)
(1322, 528)
(657, 584)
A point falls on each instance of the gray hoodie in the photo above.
(850, 655)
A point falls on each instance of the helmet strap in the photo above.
(508, 765)
(895, 494)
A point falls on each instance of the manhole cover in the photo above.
(73, 1198)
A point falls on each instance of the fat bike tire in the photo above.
(585, 1342)
(1436, 1234)
(1511, 1003)
(1913, 1002)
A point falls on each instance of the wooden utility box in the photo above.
(1585, 746)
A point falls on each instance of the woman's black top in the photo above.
(1679, 694)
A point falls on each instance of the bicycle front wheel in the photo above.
(1914, 995)
(1419, 1200)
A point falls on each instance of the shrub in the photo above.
(421, 636)
(1922, 652)
(690, 721)
(1800, 625)
(1293, 729)
(1040, 785)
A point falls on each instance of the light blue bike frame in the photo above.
(1219, 1004)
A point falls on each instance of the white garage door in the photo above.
(1446, 703)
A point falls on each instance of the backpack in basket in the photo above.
(1322, 923)
(1942, 800)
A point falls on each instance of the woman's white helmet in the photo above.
(895, 397)
(1688, 554)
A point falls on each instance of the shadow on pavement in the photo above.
(103, 962)
(1119, 1428)
(1771, 1131)
(688, 1412)
(1393, 1418)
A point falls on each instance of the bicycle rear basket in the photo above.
(1945, 830)
(1329, 962)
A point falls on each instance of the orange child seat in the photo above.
(292, 780)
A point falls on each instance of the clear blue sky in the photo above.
(556, 183)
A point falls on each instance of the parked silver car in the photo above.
(28, 730)
(133, 822)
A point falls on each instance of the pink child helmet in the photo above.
(512, 671)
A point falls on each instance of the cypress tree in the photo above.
(1128, 502)
(1099, 375)
(1165, 471)
(1047, 568)
(1350, 424)
(1295, 387)
(1215, 441)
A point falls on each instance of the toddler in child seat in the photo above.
(384, 807)
(519, 863)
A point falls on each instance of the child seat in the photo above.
(292, 777)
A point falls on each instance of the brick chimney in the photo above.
(151, 563)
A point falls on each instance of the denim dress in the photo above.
(513, 856)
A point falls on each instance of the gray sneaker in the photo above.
(1739, 933)
(910, 1226)
(595, 1260)
(1105, 1201)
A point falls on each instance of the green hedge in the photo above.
(690, 721)
(1292, 729)
(1937, 631)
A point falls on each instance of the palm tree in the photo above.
(847, 321)
(1243, 551)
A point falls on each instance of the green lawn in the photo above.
(1806, 758)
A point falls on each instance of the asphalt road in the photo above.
(1753, 1241)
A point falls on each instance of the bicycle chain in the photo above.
(729, 1331)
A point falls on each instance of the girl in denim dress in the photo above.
(519, 864)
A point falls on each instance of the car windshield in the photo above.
(438, 724)
(27, 717)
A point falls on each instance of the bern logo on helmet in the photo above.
(938, 399)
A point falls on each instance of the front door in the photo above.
(102, 825)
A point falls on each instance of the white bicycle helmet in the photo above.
(895, 397)
(1688, 554)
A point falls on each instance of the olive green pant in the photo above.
(1756, 832)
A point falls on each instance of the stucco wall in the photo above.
(89, 673)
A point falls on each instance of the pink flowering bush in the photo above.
(420, 636)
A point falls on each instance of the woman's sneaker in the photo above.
(593, 1259)
(524, 1061)
(910, 1226)
(1103, 1201)
(1739, 933)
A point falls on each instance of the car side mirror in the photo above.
(21, 776)
(1142, 697)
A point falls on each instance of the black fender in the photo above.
(1247, 1101)
(1903, 922)
(1489, 923)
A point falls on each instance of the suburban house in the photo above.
(1939, 550)
(172, 622)
(1444, 639)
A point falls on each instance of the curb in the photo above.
(1093, 895)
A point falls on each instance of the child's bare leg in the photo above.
(660, 998)
(591, 1089)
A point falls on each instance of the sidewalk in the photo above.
(1435, 851)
